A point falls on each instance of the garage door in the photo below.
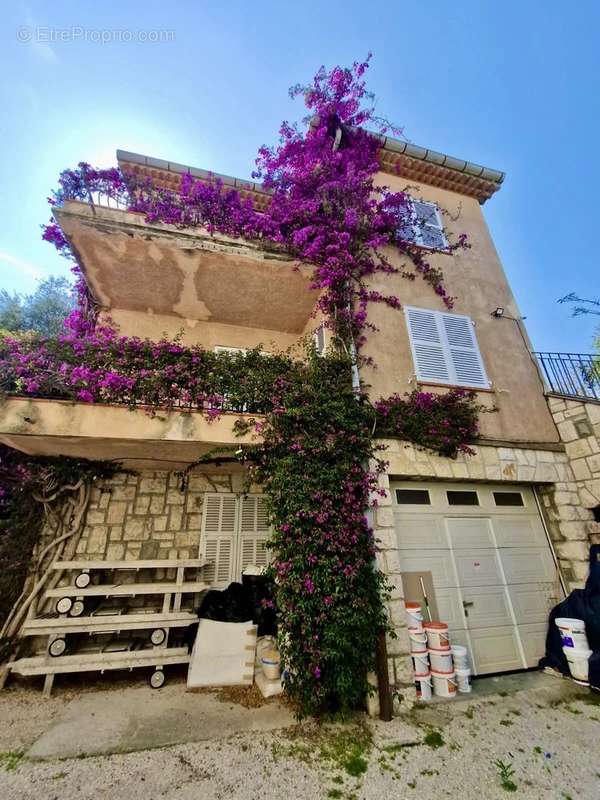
(493, 572)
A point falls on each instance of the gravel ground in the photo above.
(548, 737)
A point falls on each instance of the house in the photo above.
(497, 537)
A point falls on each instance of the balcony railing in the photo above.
(572, 374)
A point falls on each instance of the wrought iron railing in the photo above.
(572, 374)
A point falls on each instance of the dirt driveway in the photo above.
(529, 736)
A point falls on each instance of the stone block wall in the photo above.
(148, 516)
(569, 524)
(578, 423)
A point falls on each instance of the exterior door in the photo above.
(494, 574)
(234, 536)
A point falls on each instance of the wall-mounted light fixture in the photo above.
(498, 312)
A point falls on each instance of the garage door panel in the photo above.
(424, 532)
(533, 638)
(495, 650)
(527, 565)
(532, 602)
(438, 562)
(450, 607)
(487, 607)
(494, 575)
(523, 532)
(470, 532)
(477, 567)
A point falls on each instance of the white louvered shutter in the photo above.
(466, 361)
(219, 527)
(429, 228)
(427, 346)
(254, 533)
(444, 348)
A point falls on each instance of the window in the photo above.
(462, 498)
(232, 350)
(445, 349)
(425, 226)
(412, 497)
(508, 499)
(320, 340)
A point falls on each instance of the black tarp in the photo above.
(581, 604)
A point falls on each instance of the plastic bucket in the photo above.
(420, 663)
(423, 686)
(270, 665)
(460, 656)
(414, 616)
(463, 680)
(418, 640)
(444, 683)
(441, 660)
(578, 662)
(572, 632)
(437, 635)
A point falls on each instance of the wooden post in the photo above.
(383, 679)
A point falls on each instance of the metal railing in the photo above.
(572, 374)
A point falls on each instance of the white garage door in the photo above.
(494, 575)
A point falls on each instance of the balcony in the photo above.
(571, 374)
(168, 440)
(185, 273)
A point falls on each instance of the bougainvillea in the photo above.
(324, 209)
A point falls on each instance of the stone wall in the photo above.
(569, 524)
(148, 516)
(578, 423)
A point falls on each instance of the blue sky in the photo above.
(511, 85)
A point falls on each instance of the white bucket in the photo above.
(463, 680)
(418, 640)
(460, 656)
(414, 616)
(578, 662)
(420, 663)
(437, 635)
(444, 684)
(270, 664)
(423, 686)
(441, 660)
(572, 632)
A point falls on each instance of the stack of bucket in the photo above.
(439, 668)
(575, 647)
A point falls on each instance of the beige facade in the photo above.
(153, 280)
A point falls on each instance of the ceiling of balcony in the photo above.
(189, 274)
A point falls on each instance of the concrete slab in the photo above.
(139, 718)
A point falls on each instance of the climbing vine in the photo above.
(317, 458)
(38, 495)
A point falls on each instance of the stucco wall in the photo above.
(206, 334)
(569, 524)
(476, 279)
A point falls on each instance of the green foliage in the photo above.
(44, 310)
(434, 739)
(506, 773)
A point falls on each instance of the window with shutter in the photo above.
(235, 533)
(445, 349)
(319, 339)
(219, 526)
(425, 226)
(254, 533)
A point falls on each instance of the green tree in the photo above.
(44, 310)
